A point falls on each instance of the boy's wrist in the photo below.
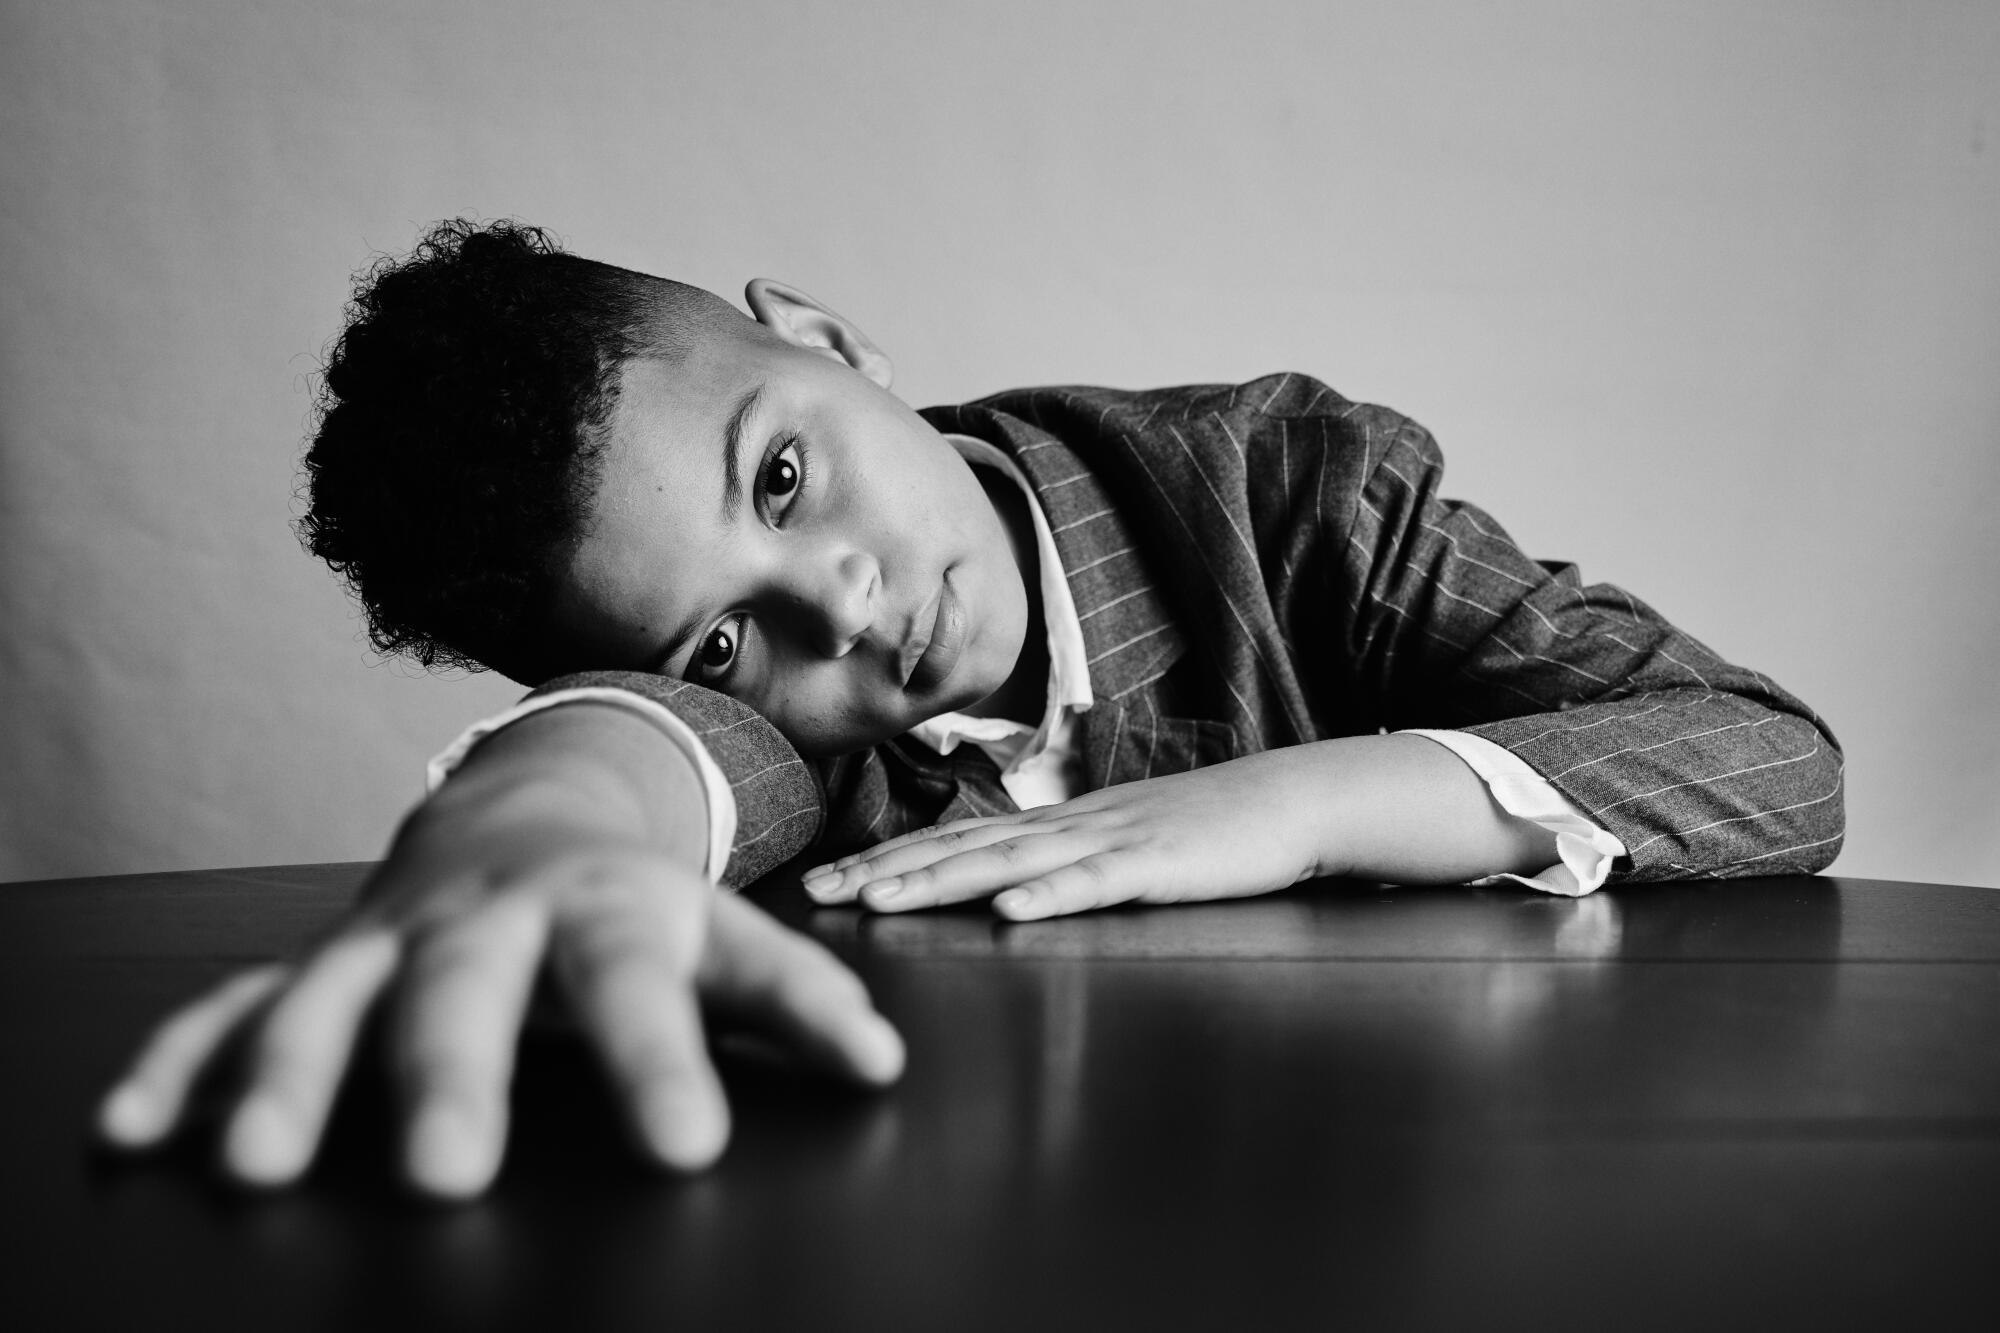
(584, 767)
(1298, 801)
(1402, 808)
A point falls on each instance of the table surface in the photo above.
(1758, 1103)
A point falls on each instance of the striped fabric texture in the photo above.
(1269, 564)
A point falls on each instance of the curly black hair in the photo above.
(460, 422)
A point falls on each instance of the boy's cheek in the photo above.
(835, 708)
(821, 730)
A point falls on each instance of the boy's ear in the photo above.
(804, 322)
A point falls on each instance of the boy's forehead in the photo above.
(671, 413)
(659, 482)
(654, 388)
(674, 413)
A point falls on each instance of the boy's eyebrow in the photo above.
(732, 445)
(732, 500)
(682, 633)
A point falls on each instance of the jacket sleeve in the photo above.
(779, 802)
(1701, 767)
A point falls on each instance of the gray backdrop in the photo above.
(1703, 296)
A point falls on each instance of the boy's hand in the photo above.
(1220, 832)
(1396, 807)
(478, 894)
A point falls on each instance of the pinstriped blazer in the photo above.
(1268, 564)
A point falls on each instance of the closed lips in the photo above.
(923, 628)
(941, 647)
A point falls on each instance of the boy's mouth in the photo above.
(935, 647)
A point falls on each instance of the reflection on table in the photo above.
(1707, 1104)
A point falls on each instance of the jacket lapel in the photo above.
(1130, 637)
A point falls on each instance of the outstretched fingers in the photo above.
(840, 881)
(299, 1054)
(980, 872)
(453, 1034)
(149, 1103)
(1083, 885)
(627, 961)
(777, 981)
(963, 866)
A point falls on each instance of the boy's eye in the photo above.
(782, 477)
(717, 652)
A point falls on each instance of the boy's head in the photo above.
(529, 461)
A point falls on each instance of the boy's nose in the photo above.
(838, 596)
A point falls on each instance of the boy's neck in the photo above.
(1025, 696)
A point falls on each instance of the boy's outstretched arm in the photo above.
(573, 838)
(1398, 807)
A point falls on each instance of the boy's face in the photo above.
(776, 525)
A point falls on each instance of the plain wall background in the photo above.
(1705, 297)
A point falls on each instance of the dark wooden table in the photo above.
(1764, 1103)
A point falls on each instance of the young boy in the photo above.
(1062, 648)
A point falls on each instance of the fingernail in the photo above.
(884, 890)
(262, 1145)
(128, 1116)
(448, 1154)
(820, 884)
(1014, 902)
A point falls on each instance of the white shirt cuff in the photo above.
(715, 786)
(1586, 851)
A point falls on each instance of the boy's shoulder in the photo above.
(1266, 411)
(1281, 394)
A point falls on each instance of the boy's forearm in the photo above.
(1403, 809)
(581, 766)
